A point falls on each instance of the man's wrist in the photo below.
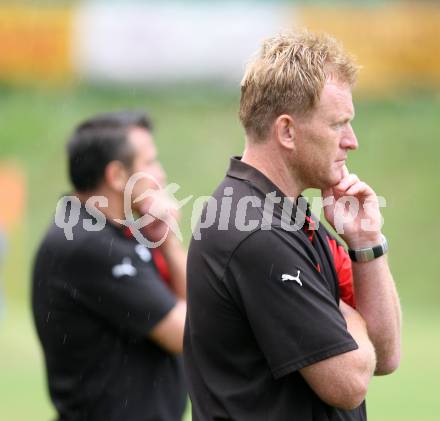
(367, 254)
(170, 244)
(364, 241)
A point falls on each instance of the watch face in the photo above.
(367, 255)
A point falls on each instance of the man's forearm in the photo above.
(175, 256)
(342, 380)
(378, 303)
(357, 328)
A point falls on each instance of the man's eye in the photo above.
(341, 124)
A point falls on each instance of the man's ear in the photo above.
(116, 175)
(285, 131)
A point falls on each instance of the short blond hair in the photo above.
(287, 75)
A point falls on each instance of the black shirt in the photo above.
(95, 298)
(262, 304)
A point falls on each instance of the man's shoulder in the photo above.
(272, 243)
(224, 220)
(220, 249)
(79, 244)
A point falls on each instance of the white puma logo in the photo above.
(143, 252)
(286, 277)
(125, 268)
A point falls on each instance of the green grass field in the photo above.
(196, 132)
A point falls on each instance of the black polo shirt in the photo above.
(262, 304)
(94, 299)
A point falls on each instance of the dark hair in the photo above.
(100, 140)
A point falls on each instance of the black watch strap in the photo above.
(369, 253)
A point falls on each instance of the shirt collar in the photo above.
(242, 171)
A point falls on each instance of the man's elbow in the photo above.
(176, 349)
(351, 398)
(388, 365)
(168, 333)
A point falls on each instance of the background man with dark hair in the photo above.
(109, 311)
(271, 330)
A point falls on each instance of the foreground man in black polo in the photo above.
(109, 311)
(274, 330)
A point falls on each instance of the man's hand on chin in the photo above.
(163, 213)
(355, 208)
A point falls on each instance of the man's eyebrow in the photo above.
(344, 119)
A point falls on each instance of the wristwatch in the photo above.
(369, 253)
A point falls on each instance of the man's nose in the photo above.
(349, 140)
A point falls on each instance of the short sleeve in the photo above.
(291, 310)
(122, 287)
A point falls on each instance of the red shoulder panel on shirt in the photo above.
(161, 264)
(344, 271)
(158, 259)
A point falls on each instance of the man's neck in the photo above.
(115, 208)
(267, 161)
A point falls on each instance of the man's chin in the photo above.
(326, 181)
(329, 183)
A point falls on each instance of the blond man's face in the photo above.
(325, 136)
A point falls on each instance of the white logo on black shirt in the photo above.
(286, 277)
(143, 252)
(125, 268)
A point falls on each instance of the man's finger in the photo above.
(357, 188)
(347, 182)
(326, 193)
